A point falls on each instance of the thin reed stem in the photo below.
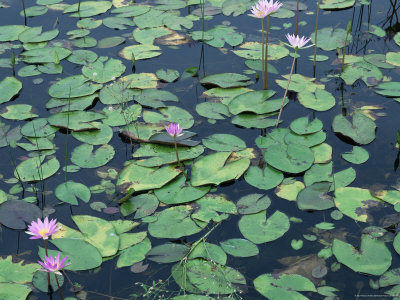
(23, 7)
(266, 56)
(315, 38)
(297, 18)
(286, 91)
(48, 274)
(177, 157)
(59, 288)
(66, 143)
(262, 52)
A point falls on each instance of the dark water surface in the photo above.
(378, 170)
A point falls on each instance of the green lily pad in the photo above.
(170, 114)
(315, 197)
(330, 38)
(143, 205)
(224, 142)
(81, 254)
(138, 52)
(289, 189)
(110, 42)
(175, 222)
(98, 232)
(73, 86)
(119, 117)
(152, 155)
(365, 260)
(209, 207)
(35, 35)
(214, 169)
(167, 253)
(35, 169)
(320, 100)
(250, 120)
(357, 156)
(239, 247)
(9, 87)
(256, 102)
(154, 98)
(355, 202)
(253, 203)
(257, 229)
(102, 73)
(222, 34)
(389, 89)
(178, 191)
(14, 291)
(40, 281)
(8, 136)
(34, 11)
(363, 70)
(300, 83)
(308, 140)
(303, 126)
(147, 36)
(141, 178)
(117, 93)
(264, 179)
(88, 8)
(18, 112)
(10, 33)
(82, 57)
(360, 131)
(119, 23)
(96, 137)
(337, 4)
(141, 81)
(76, 120)
(226, 80)
(83, 156)
(283, 286)
(209, 252)
(289, 158)
(318, 173)
(134, 254)
(168, 75)
(44, 55)
(69, 192)
(212, 110)
(253, 51)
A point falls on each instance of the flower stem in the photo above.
(59, 288)
(297, 18)
(262, 52)
(287, 88)
(177, 157)
(48, 274)
(266, 56)
(315, 38)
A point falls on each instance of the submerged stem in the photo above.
(177, 157)
(59, 288)
(266, 56)
(287, 88)
(48, 274)
(262, 52)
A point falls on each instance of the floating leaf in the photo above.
(76, 120)
(88, 8)
(357, 156)
(257, 229)
(9, 87)
(69, 192)
(35, 35)
(144, 205)
(102, 73)
(265, 179)
(18, 112)
(16, 213)
(175, 222)
(369, 73)
(154, 98)
(214, 169)
(168, 253)
(224, 142)
(330, 38)
(303, 126)
(365, 260)
(360, 131)
(167, 75)
(208, 207)
(138, 52)
(96, 137)
(315, 197)
(253, 51)
(320, 100)
(73, 86)
(337, 4)
(226, 80)
(10, 33)
(212, 110)
(35, 169)
(44, 55)
(239, 248)
(256, 102)
(83, 156)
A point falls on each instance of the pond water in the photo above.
(309, 210)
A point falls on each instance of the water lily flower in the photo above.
(42, 230)
(174, 129)
(53, 265)
(297, 42)
(264, 8)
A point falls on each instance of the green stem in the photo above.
(66, 143)
(59, 288)
(262, 52)
(266, 56)
(297, 18)
(287, 88)
(344, 52)
(177, 157)
(79, 6)
(23, 7)
(315, 38)
(48, 274)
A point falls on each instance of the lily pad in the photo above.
(320, 100)
(357, 156)
(69, 192)
(18, 112)
(365, 260)
(330, 38)
(35, 169)
(76, 120)
(226, 80)
(215, 169)
(9, 87)
(315, 197)
(264, 179)
(142, 205)
(253, 203)
(224, 142)
(15, 214)
(73, 86)
(257, 229)
(337, 4)
(96, 137)
(88, 8)
(239, 248)
(102, 73)
(304, 126)
(83, 156)
(360, 131)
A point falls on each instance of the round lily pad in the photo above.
(303, 126)
(357, 156)
(239, 247)
(83, 156)
(265, 179)
(16, 214)
(96, 137)
(360, 131)
(224, 142)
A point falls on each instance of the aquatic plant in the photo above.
(54, 265)
(42, 230)
(296, 43)
(174, 130)
(262, 9)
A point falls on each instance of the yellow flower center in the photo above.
(43, 232)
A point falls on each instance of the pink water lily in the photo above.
(42, 230)
(174, 129)
(297, 42)
(264, 8)
(53, 265)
